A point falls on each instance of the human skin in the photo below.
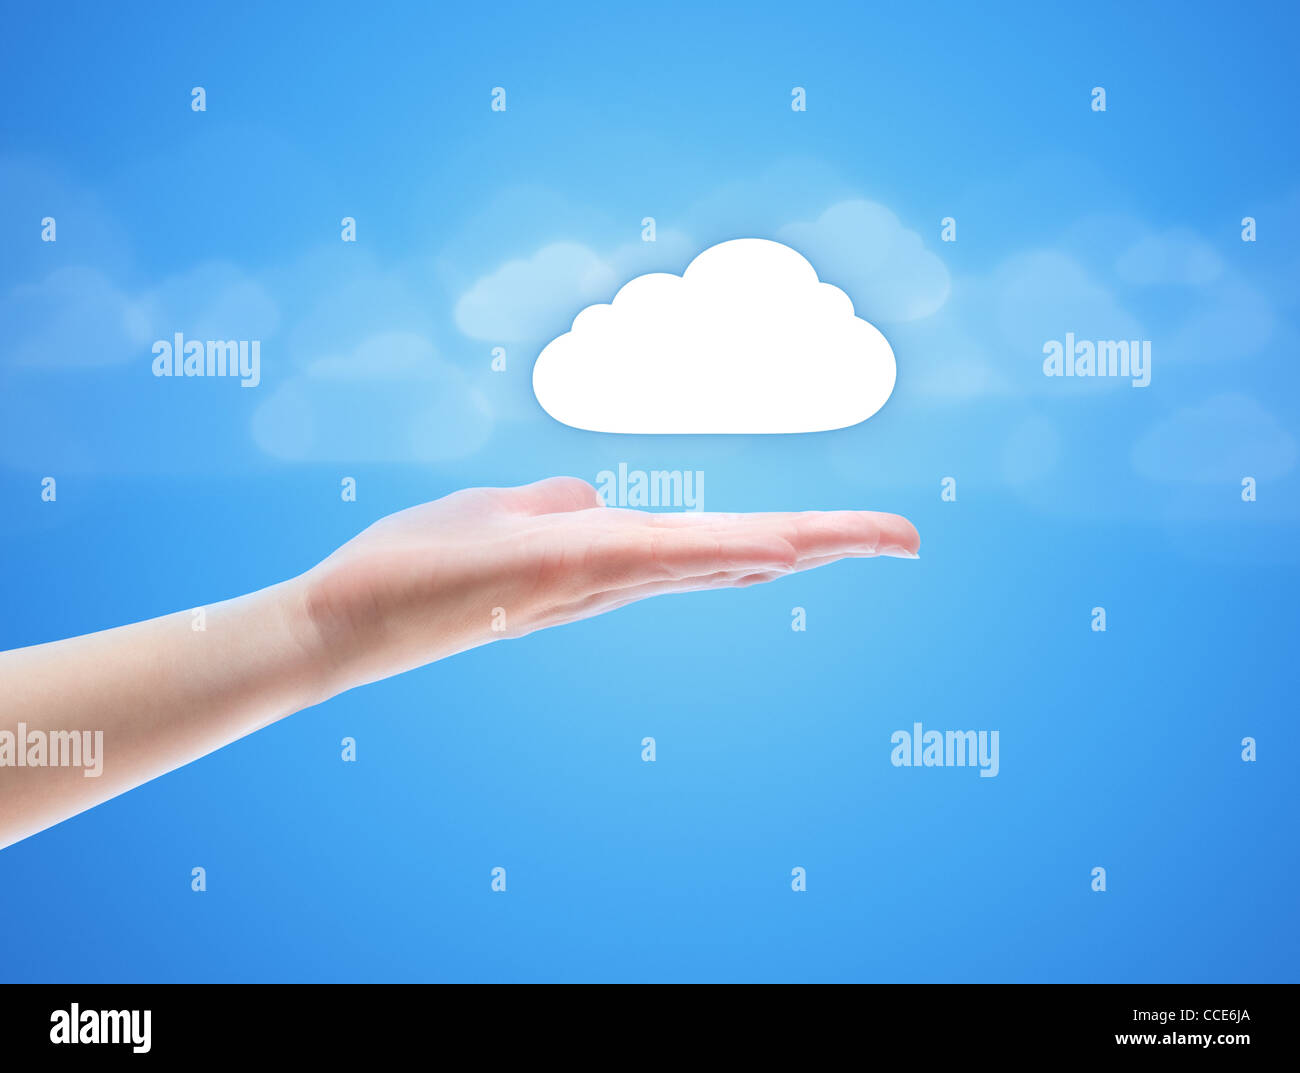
(415, 587)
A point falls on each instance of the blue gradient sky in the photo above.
(1119, 749)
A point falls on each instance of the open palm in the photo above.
(488, 563)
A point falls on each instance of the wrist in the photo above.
(315, 674)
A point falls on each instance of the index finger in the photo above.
(634, 547)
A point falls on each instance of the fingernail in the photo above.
(896, 552)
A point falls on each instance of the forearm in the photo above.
(145, 699)
(86, 719)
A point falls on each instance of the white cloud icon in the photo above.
(746, 340)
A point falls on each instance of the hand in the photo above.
(491, 563)
(414, 587)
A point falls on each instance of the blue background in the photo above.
(1119, 749)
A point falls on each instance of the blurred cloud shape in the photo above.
(1226, 438)
(522, 299)
(391, 399)
(861, 247)
(1177, 256)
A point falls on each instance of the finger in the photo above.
(601, 602)
(741, 578)
(630, 547)
(624, 555)
(817, 532)
(554, 495)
